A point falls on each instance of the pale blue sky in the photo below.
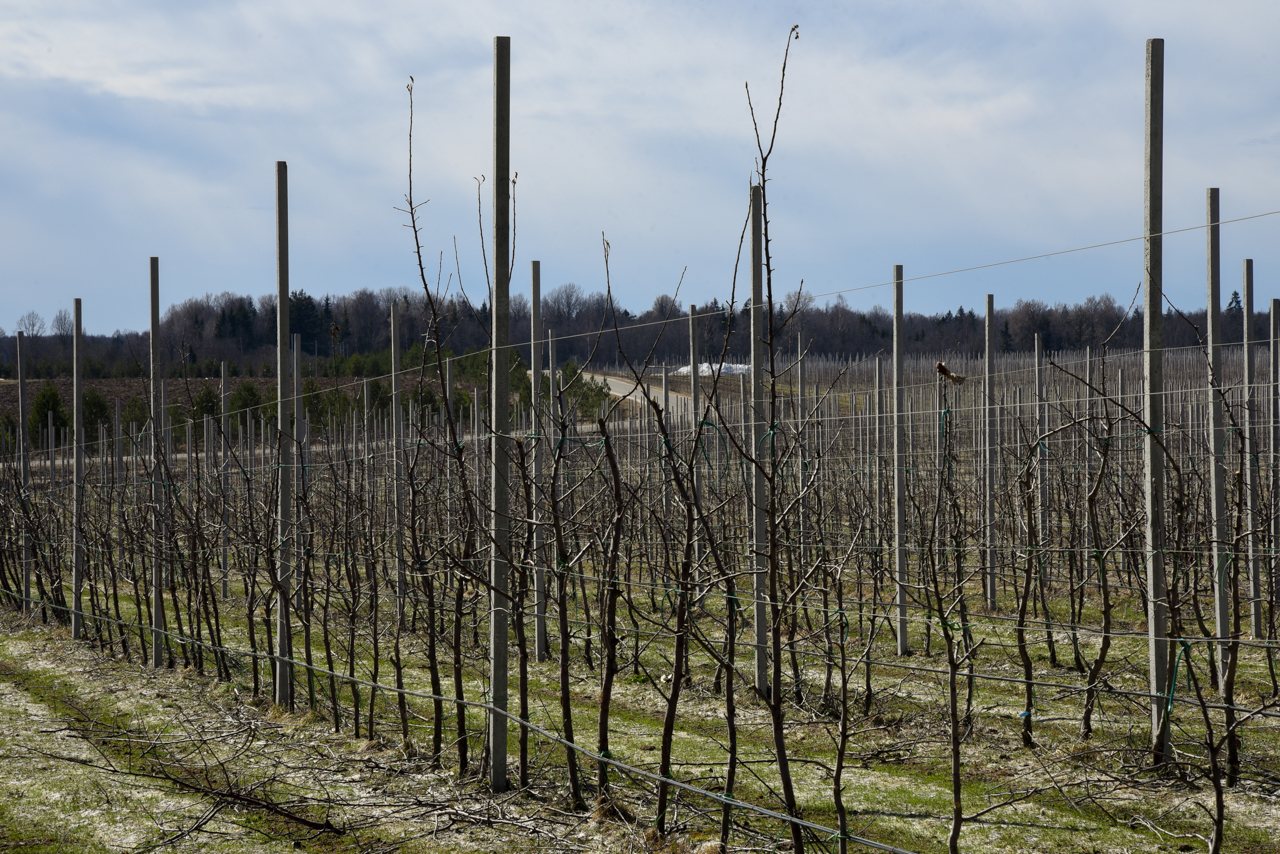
(935, 134)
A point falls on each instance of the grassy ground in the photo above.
(101, 754)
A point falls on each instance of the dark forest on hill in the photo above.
(349, 335)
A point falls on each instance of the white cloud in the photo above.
(933, 134)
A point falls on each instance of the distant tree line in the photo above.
(349, 335)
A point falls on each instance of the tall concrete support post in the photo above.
(499, 461)
(759, 485)
(899, 468)
(1153, 398)
(878, 438)
(157, 473)
(1086, 556)
(802, 421)
(24, 463)
(119, 478)
(541, 648)
(695, 417)
(555, 403)
(369, 453)
(695, 375)
(1042, 450)
(297, 433)
(1251, 460)
(1219, 521)
(397, 467)
(77, 479)
(299, 427)
(224, 471)
(1273, 421)
(989, 457)
(284, 390)
(663, 460)
(53, 456)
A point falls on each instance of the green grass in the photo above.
(21, 836)
(903, 799)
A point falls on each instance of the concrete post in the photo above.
(899, 468)
(119, 479)
(24, 461)
(397, 467)
(541, 647)
(1086, 558)
(666, 419)
(225, 475)
(157, 474)
(1219, 522)
(1273, 419)
(989, 456)
(298, 434)
(1153, 397)
(500, 524)
(879, 450)
(1251, 461)
(695, 385)
(284, 390)
(1042, 450)
(51, 442)
(802, 420)
(369, 452)
(759, 486)
(695, 418)
(77, 480)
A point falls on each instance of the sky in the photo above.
(937, 134)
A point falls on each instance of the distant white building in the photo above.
(707, 369)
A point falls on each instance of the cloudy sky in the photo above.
(938, 135)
